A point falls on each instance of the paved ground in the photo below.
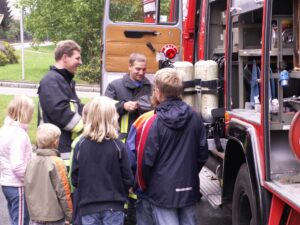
(205, 213)
(4, 219)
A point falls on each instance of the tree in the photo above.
(79, 20)
(4, 26)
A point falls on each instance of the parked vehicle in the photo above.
(241, 63)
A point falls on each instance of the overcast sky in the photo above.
(14, 12)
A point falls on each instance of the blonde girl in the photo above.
(76, 215)
(100, 168)
(15, 153)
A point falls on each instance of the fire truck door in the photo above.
(137, 26)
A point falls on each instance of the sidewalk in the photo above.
(79, 87)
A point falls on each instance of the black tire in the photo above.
(244, 202)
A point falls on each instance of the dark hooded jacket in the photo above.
(175, 151)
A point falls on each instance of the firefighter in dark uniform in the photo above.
(132, 93)
(59, 103)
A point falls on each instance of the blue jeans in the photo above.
(108, 217)
(144, 214)
(76, 219)
(176, 216)
(16, 205)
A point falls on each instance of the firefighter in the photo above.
(59, 103)
(130, 91)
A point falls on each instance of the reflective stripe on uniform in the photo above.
(132, 195)
(72, 107)
(78, 127)
(75, 125)
(74, 121)
(124, 125)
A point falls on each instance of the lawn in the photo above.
(4, 100)
(37, 62)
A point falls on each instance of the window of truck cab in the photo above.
(144, 11)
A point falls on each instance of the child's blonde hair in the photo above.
(102, 120)
(47, 135)
(21, 109)
(85, 111)
(169, 82)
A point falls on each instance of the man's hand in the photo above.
(131, 106)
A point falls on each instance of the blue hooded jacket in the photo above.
(175, 150)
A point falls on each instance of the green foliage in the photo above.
(7, 54)
(128, 10)
(91, 71)
(10, 53)
(79, 20)
(3, 59)
(7, 17)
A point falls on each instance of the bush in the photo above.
(10, 53)
(90, 72)
(3, 59)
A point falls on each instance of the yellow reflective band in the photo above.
(133, 196)
(78, 127)
(72, 106)
(124, 123)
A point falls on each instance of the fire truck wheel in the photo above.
(244, 202)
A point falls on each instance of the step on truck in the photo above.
(241, 65)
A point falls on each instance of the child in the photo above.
(47, 188)
(15, 153)
(100, 168)
(76, 220)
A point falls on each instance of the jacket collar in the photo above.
(47, 152)
(130, 84)
(64, 72)
(9, 121)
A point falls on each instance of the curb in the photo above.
(79, 87)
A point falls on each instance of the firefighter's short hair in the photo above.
(169, 82)
(136, 57)
(65, 47)
(20, 109)
(47, 136)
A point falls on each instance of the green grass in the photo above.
(5, 99)
(37, 62)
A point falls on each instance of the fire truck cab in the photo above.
(241, 63)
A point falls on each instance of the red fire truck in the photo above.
(240, 60)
